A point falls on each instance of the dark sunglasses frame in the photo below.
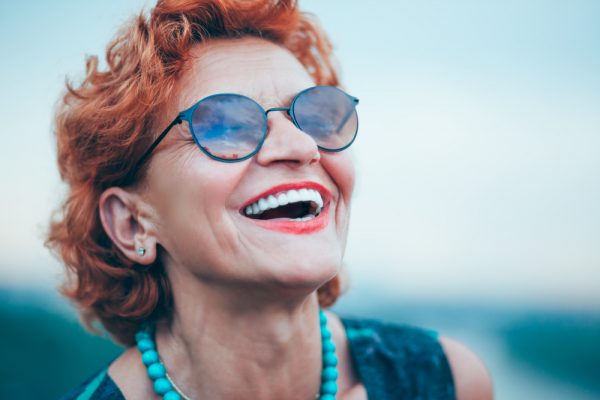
(187, 115)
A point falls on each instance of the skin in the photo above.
(472, 380)
(245, 299)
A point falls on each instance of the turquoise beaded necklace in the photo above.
(165, 387)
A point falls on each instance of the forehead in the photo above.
(254, 67)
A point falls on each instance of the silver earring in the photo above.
(141, 251)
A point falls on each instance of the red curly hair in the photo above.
(105, 123)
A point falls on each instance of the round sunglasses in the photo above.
(231, 127)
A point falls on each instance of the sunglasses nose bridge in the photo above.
(286, 109)
(277, 142)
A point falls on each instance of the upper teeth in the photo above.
(283, 198)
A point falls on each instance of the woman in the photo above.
(210, 187)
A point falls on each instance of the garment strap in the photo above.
(92, 386)
(398, 361)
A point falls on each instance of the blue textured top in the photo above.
(393, 361)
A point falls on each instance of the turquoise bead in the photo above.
(327, 397)
(172, 395)
(149, 357)
(325, 333)
(156, 370)
(329, 388)
(329, 374)
(145, 345)
(322, 318)
(328, 347)
(162, 386)
(141, 335)
(330, 360)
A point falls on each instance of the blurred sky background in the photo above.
(477, 163)
(478, 166)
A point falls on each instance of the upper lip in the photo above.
(325, 193)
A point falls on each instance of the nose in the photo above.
(286, 143)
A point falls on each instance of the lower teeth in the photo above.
(308, 217)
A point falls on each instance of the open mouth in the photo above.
(298, 208)
(291, 202)
(301, 211)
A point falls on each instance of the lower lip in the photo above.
(295, 227)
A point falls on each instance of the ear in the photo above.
(128, 227)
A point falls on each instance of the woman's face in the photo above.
(198, 202)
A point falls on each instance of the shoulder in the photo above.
(471, 378)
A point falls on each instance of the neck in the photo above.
(216, 347)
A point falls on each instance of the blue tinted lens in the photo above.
(327, 114)
(229, 126)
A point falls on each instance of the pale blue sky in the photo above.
(478, 167)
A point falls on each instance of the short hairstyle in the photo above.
(104, 124)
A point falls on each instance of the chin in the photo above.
(309, 272)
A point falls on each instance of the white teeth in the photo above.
(308, 217)
(303, 193)
(263, 205)
(293, 196)
(316, 197)
(284, 198)
(273, 203)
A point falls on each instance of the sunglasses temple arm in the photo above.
(127, 178)
(176, 121)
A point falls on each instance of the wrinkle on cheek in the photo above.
(168, 185)
(225, 230)
(228, 238)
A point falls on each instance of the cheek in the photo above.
(340, 167)
(192, 192)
